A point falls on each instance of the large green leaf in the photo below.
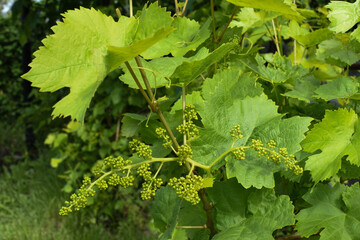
(231, 98)
(157, 71)
(338, 52)
(304, 87)
(249, 214)
(336, 210)
(314, 38)
(278, 71)
(165, 211)
(189, 70)
(258, 171)
(336, 136)
(270, 5)
(85, 48)
(343, 15)
(187, 36)
(342, 87)
(247, 18)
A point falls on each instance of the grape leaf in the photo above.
(193, 98)
(257, 212)
(336, 136)
(187, 36)
(334, 209)
(343, 15)
(304, 88)
(258, 171)
(226, 106)
(189, 70)
(165, 211)
(314, 38)
(84, 49)
(280, 70)
(247, 18)
(342, 87)
(337, 52)
(270, 5)
(157, 71)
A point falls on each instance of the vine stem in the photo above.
(151, 100)
(295, 62)
(208, 208)
(228, 23)
(276, 37)
(223, 155)
(184, 8)
(140, 87)
(213, 19)
(183, 108)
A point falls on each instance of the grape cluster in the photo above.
(189, 128)
(161, 132)
(188, 187)
(276, 157)
(184, 152)
(149, 188)
(239, 153)
(117, 163)
(141, 149)
(235, 132)
(151, 184)
(78, 200)
(144, 171)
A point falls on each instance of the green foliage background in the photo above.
(257, 193)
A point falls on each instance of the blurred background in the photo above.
(43, 160)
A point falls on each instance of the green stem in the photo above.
(213, 20)
(153, 160)
(146, 81)
(208, 208)
(183, 108)
(276, 37)
(151, 101)
(228, 23)
(140, 87)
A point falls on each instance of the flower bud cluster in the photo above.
(151, 184)
(239, 153)
(184, 152)
(188, 187)
(78, 200)
(118, 163)
(141, 149)
(269, 152)
(275, 156)
(149, 188)
(189, 128)
(161, 132)
(235, 132)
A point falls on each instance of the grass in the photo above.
(30, 198)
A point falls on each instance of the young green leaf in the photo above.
(279, 71)
(271, 5)
(334, 209)
(84, 49)
(165, 210)
(337, 52)
(343, 15)
(336, 136)
(189, 70)
(304, 87)
(187, 36)
(342, 87)
(248, 214)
